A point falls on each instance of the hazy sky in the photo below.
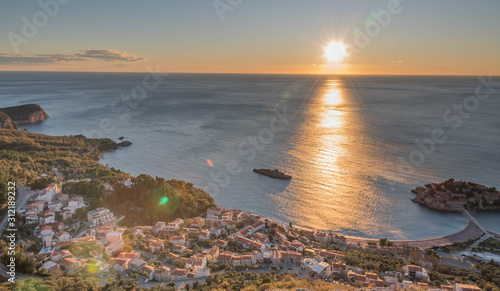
(252, 36)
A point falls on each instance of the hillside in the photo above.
(6, 122)
(150, 200)
(24, 114)
(25, 156)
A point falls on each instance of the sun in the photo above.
(335, 52)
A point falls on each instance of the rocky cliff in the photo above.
(6, 122)
(23, 114)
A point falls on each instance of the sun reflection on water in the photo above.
(330, 166)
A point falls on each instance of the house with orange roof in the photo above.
(179, 249)
(224, 258)
(242, 260)
(48, 216)
(129, 255)
(338, 270)
(248, 243)
(179, 274)
(198, 222)
(46, 230)
(297, 246)
(291, 256)
(174, 225)
(261, 238)
(31, 218)
(162, 274)
(63, 235)
(150, 271)
(465, 287)
(213, 253)
(155, 246)
(172, 257)
(221, 243)
(358, 278)
(70, 264)
(59, 255)
(197, 261)
(120, 264)
(178, 240)
(103, 230)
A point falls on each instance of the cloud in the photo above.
(84, 55)
(109, 55)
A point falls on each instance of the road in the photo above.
(23, 194)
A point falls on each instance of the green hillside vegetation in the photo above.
(6, 122)
(25, 156)
(150, 200)
(228, 281)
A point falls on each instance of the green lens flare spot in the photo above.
(163, 200)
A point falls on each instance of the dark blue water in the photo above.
(346, 140)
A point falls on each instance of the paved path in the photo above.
(23, 194)
(472, 219)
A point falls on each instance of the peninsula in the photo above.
(454, 195)
(25, 114)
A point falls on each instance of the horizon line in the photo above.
(217, 73)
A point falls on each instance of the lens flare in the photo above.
(209, 163)
(163, 200)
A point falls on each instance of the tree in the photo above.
(179, 263)
(382, 242)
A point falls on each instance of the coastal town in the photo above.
(81, 225)
(184, 251)
(454, 195)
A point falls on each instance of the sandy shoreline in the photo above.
(471, 231)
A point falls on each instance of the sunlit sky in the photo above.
(452, 37)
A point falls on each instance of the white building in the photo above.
(49, 193)
(100, 216)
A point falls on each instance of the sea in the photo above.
(355, 145)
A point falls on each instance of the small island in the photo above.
(276, 174)
(454, 195)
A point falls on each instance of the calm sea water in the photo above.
(342, 138)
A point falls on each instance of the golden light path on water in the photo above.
(330, 166)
